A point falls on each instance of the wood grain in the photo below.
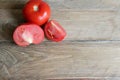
(75, 19)
(78, 24)
(60, 60)
(67, 4)
(90, 51)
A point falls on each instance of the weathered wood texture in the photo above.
(60, 60)
(81, 21)
(78, 24)
(67, 4)
(91, 50)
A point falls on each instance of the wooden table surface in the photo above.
(91, 50)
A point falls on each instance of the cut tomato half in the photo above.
(27, 34)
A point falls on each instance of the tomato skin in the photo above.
(37, 12)
(54, 31)
(27, 34)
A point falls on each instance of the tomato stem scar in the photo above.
(35, 7)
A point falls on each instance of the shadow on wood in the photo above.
(7, 31)
(10, 19)
(12, 4)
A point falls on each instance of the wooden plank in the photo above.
(97, 78)
(64, 60)
(66, 4)
(12, 4)
(80, 25)
(73, 59)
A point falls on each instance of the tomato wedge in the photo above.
(27, 34)
(54, 31)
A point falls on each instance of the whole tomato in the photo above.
(27, 34)
(37, 12)
(54, 31)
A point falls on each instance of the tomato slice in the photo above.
(27, 34)
(54, 31)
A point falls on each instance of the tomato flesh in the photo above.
(54, 31)
(37, 12)
(27, 34)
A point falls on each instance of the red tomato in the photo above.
(27, 34)
(37, 12)
(54, 31)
